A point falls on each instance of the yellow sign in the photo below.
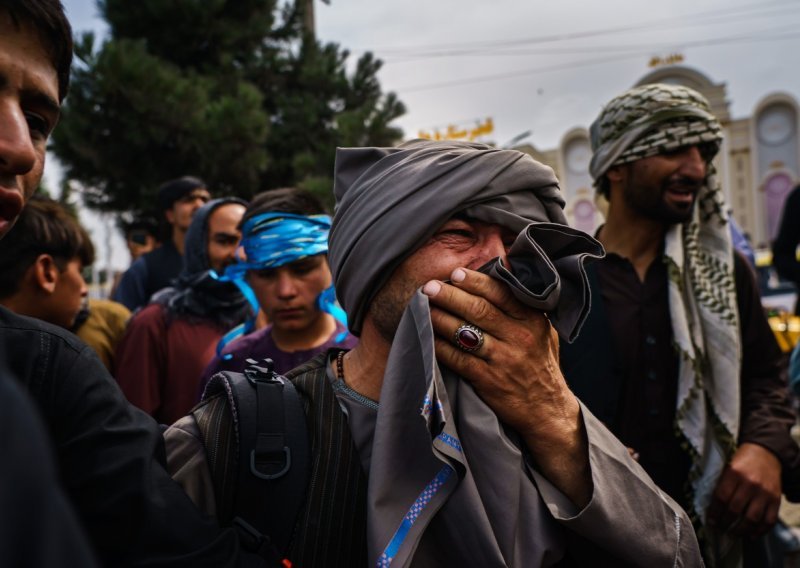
(671, 59)
(455, 133)
(786, 328)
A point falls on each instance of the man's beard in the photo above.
(387, 307)
(651, 202)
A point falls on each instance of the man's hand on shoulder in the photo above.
(516, 372)
(748, 493)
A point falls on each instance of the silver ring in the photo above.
(468, 337)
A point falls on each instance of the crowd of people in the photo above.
(441, 373)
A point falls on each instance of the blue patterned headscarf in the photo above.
(271, 240)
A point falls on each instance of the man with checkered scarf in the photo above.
(677, 357)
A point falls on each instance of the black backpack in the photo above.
(260, 470)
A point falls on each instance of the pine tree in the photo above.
(234, 91)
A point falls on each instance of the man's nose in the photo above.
(231, 256)
(286, 285)
(492, 247)
(693, 164)
(17, 154)
(197, 203)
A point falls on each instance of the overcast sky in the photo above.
(549, 66)
(546, 67)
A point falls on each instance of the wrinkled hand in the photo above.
(748, 493)
(516, 372)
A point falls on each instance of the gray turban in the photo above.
(390, 201)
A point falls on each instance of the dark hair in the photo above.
(48, 19)
(139, 230)
(284, 200)
(603, 186)
(43, 227)
(141, 225)
(171, 191)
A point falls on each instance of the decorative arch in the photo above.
(574, 155)
(776, 156)
(688, 77)
(678, 75)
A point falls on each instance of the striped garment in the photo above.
(331, 525)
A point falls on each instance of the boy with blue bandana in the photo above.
(285, 273)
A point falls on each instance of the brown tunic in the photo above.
(159, 363)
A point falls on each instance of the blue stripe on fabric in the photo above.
(451, 441)
(426, 407)
(428, 404)
(412, 515)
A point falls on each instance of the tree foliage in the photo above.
(234, 91)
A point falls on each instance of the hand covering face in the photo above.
(390, 201)
(197, 293)
(646, 121)
(443, 468)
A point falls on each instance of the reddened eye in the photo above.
(461, 233)
(458, 228)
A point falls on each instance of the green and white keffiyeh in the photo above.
(646, 121)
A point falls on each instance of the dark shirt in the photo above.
(110, 456)
(40, 527)
(147, 275)
(640, 326)
(784, 249)
(641, 330)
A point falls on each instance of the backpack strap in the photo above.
(272, 451)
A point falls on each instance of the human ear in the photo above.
(45, 273)
(170, 215)
(615, 173)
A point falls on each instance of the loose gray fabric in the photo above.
(448, 485)
(449, 471)
(547, 273)
(389, 201)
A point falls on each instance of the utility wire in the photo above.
(571, 65)
(764, 34)
(741, 13)
(487, 78)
